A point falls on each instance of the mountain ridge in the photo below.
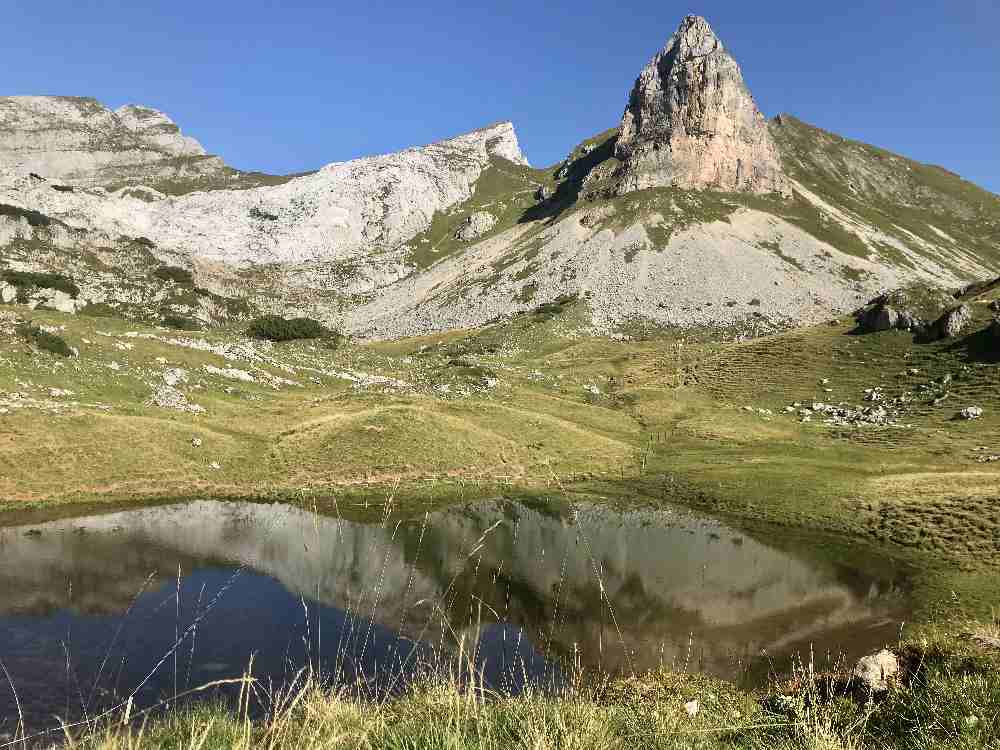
(635, 223)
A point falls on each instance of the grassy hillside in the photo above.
(531, 404)
(891, 194)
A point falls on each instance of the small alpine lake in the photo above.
(151, 602)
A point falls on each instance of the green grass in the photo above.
(504, 189)
(944, 700)
(668, 425)
(890, 193)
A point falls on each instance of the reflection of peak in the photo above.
(664, 583)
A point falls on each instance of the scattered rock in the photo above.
(196, 442)
(175, 376)
(877, 671)
(215, 466)
(168, 397)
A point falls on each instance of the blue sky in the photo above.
(289, 86)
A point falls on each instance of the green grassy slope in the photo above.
(896, 195)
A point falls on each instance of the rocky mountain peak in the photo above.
(691, 122)
(78, 139)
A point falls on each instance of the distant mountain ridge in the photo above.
(695, 212)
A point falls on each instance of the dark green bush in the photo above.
(99, 310)
(548, 310)
(28, 280)
(34, 218)
(180, 322)
(44, 340)
(175, 274)
(276, 328)
(262, 215)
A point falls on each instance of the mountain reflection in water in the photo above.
(524, 587)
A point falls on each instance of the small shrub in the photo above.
(27, 280)
(237, 307)
(175, 274)
(276, 328)
(99, 310)
(548, 310)
(145, 242)
(44, 340)
(180, 322)
(262, 215)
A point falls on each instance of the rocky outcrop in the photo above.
(343, 211)
(691, 122)
(916, 308)
(475, 226)
(952, 323)
(80, 141)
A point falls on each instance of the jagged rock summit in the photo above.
(80, 141)
(692, 123)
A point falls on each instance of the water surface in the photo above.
(152, 601)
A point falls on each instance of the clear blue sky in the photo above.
(289, 86)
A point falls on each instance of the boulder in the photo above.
(952, 323)
(994, 330)
(880, 317)
(876, 672)
(971, 412)
(475, 226)
(8, 293)
(909, 308)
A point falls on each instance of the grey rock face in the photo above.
(79, 140)
(881, 317)
(953, 322)
(691, 122)
(476, 226)
(909, 308)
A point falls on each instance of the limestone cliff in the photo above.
(80, 141)
(692, 123)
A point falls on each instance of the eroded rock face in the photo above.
(953, 322)
(691, 122)
(79, 140)
(476, 226)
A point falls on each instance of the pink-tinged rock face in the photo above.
(691, 122)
